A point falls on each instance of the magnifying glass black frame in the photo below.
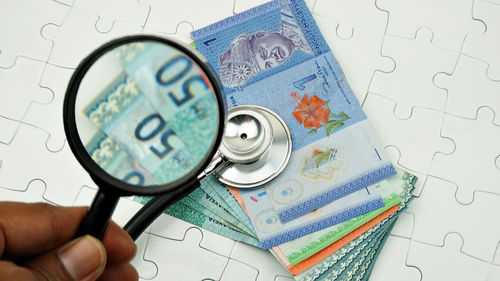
(111, 188)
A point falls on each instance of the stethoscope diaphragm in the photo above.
(261, 142)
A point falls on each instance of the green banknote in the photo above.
(206, 201)
(222, 195)
(183, 212)
(358, 269)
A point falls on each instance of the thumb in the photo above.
(83, 259)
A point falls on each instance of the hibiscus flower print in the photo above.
(313, 113)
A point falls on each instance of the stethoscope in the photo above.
(146, 116)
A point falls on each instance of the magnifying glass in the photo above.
(145, 116)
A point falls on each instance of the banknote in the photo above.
(199, 196)
(160, 109)
(274, 56)
(347, 269)
(392, 190)
(361, 266)
(271, 231)
(314, 272)
(124, 114)
(335, 264)
(224, 198)
(212, 214)
(189, 215)
(178, 90)
(117, 162)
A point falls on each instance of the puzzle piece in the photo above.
(9, 129)
(404, 225)
(77, 37)
(469, 88)
(243, 5)
(110, 11)
(450, 20)
(147, 269)
(259, 259)
(486, 45)
(173, 258)
(20, 29)
(173, 228)
(472, 164)
(182, 32)
(20, 88)
(236, 270)
(27, 158)
(411, 84)
(32, 194)
(362, 23)
(438, 213)
(48, 117)
(418, 138)
(391, 263)
(165, 18)
(125, 209)
(395, 155)
(446, 262)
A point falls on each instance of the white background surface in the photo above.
(426, 72)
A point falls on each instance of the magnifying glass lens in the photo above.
(147, 113)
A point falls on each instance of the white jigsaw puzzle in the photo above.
(426, 71)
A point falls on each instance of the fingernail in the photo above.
(84, 258)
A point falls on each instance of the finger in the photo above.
(10, 271)
(83, 259)
(30, 229)
(122, 272)
(119, 246)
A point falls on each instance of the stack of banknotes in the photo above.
(327, 216)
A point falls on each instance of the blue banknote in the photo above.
(271, 232)
(160, 109)
(274, 56)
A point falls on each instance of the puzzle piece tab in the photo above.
(110, 11)
(27, 158)
(418, 138)
(174, 256)
(446, 262)
(77, 37)
(472, 164)
(449, 20)
(263, 261)
(485, 45)
(20, 88)
(469, 88)
(22, 21)
(391, 263)
(411, 84)
(437, 213)
(49, 117)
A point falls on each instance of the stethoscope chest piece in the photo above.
(258, 145)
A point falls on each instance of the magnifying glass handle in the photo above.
(155, 207)
(97, 219)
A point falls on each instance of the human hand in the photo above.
(35, 245)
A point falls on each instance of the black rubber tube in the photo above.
(97, 219)
(155, 207)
